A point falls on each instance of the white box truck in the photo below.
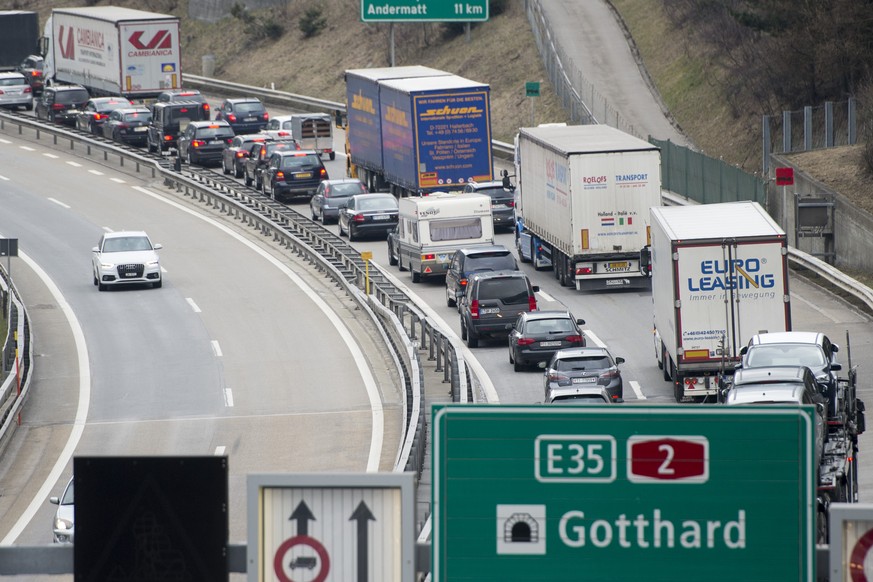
(583, 194)
(431, 228)
(719, 276)
(111, 50)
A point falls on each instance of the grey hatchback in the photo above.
(493, 302)
(593, 366)
(332, 196)
(537, 335)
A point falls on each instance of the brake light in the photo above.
(231, 117)
(525, 341)
(168, 138)
(583, 271)
(474, 309)
(27, 89)
(98, 116)
(609, 375)
(57, 106)
(532, 303)
(36, 73)
(557, 377)
(280, 175)
(462, 282)
(358, 217)
(323, 173)
(428, 257)
(511, 204)
(206, 107)
(197, 143)
(575, 339)
(266, 116)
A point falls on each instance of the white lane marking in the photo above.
(216, 349)
(815, 307)
(118, 180)
(4, 178)
(107, 229)
(219, 451)
(74, 164)
(595, 339)
(635, 386)
(377, 434)
(6, 141)
(192, 304)
(96, 172)
(59, 203)
(41, 496)
(228, 398)
(27, 148)
(52, 156)
(545, 296)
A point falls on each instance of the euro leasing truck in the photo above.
(425, 133)
(314, 131)
(19, 37)
(111, 50)
(431, 228)
(719, 276)
(583, 194)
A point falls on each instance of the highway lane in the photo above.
(218, 360)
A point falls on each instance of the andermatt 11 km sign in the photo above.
(623, 493)
(423, 11)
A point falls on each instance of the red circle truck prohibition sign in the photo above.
(287, 545)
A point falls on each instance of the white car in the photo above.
(15, 91)
(126, 257)
(63, 524)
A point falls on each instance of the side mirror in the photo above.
(580, 322)
(744, 350)
(835, 348)
(536, 288)
(157, 246)
(836, 367)
(95, 250)
(54, 500)
(619, 360)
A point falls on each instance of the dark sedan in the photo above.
(584, 367)
(129, 125)
(537, 335)
(367, 214)
(244, 114)
(96, 111)
(332, 196)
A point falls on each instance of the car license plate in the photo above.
(487, 310)
(381, 217)
(249, 119)
(584, 380)
(72, 111)
(130, 274)
(549, 344)
(618, 265)
(215, 142)
(141, 128)
(303, 176)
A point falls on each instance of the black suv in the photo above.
(176, 95)
(167, 121)
(502, 201)
(470, 260)
(204, 142)
(493, 302)
(61, 103)
(293, 173)
(244, 114)
(257, 161)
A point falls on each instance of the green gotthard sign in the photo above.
(623, 493)
(423, 11)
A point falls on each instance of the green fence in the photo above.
(704, 179)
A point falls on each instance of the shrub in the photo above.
(312, 22)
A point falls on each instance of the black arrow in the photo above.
(302, 515)
(362, 515)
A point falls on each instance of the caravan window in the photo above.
(456, 229)
(413, 230)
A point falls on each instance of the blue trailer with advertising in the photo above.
(363, 121)
(434, 133)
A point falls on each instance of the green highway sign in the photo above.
(532, 89)
(423, 10)
(623, 493)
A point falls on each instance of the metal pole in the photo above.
(391, 30)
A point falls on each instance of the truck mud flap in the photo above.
(613, 284)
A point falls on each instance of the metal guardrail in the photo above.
(16, 386)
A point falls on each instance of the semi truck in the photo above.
(111, 50)
(719, 277)
(417, 131)
(19, 37)
(582, 203)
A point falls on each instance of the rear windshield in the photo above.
(583, 363)
(192, 113)
(76, 96)
(456, 229)
(378, 203)
(509, 289)
(492, 261)
(249, 108)
(557, 325)
(495, 192)
(279, 146)
(146, 117)
(214, 133)
(344, 190)
(579, 399)
(785, 355)
(12, 81)
(307, 162)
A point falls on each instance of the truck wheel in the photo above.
(677, 391)
(332, 155)
(665, 365)
(567, 273)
